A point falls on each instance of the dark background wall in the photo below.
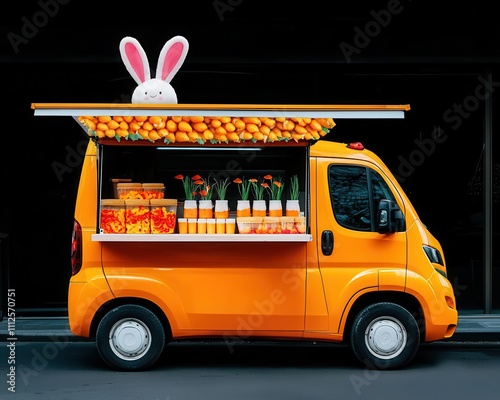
(423, 53)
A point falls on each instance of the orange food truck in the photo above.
(330, 249)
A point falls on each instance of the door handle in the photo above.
(327, 242)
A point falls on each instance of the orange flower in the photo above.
(258, 188)
(187, 185)
(203, 186)
(277, 187)
(244, 187)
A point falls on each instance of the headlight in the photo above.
(433, 255)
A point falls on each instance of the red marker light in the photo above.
(356, 146)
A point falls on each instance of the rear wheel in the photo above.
(130, 338)
(385, 336)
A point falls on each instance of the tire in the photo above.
(130, 338)
(385, 336)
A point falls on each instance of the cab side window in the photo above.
(355, 192)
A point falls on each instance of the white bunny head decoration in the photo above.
(158, 89)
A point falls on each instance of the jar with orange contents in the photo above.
(221, 209)
(190, 209)
(205, 209)
(275, 208)
(243, 208)
(259, 208)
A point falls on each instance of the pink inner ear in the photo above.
(171, 59)
(135, 60)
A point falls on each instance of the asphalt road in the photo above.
(68, 370)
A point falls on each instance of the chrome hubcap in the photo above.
(130, 339)
(385, 337)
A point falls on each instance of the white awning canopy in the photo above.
(230, 110)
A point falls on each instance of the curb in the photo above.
(46, 329)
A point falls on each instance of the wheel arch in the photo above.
(401, 298)
(110, 305)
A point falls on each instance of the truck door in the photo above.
(353, 256)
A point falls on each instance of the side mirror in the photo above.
(389, 217)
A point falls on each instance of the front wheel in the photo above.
(385, 336)
(130, 338)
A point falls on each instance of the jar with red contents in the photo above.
(113, 216)
(163, 214)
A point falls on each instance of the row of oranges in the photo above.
(207, 129)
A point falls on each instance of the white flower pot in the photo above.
(292, 208)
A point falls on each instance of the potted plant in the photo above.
(275, 187)
(292, 204)
(205, 206)
(221, 204)
(190, 187)
(258, 191)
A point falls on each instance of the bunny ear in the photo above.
(135, 59)
(171, 58)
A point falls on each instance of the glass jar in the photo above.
(163, 215)
(190, 209)
(205, 209)
(153, 191)
(137, 216)
(129, 190)
(243, 208)
(221, 209)
(275, 208)
(113, 216)
(292, 208)
(259, 208)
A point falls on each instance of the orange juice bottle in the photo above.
(211, 225)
